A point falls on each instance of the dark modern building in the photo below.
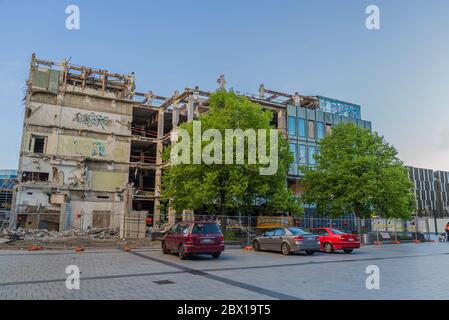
(431, 191)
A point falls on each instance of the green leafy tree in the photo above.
(358, 172)
(218, 188)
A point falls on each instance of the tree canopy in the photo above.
(218, 188)
(358, 172)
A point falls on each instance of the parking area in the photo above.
(407, 271)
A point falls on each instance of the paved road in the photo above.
(408, 271)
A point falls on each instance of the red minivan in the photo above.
(187, 238)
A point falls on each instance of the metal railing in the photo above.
(239, 229)
(243, 229)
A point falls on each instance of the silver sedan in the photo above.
(287, 240)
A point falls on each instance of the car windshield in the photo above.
(297, 231)
(204, 228)
(336, 231)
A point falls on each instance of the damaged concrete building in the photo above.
(76, 145)
(91, 152)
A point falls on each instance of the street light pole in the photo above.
(439, 202)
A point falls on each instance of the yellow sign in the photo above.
(274, 222)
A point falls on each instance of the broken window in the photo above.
(37, 144)
(34, 176)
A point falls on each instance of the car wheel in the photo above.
(181, 253)
(285, 249)
(348, 250)
(164, 248)
(328, 248)
(216, 255)
(309, 253)
(256, 245)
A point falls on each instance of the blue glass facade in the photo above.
(340, 108)
(7, 182)
(306, 127)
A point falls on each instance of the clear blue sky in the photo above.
(399, 74)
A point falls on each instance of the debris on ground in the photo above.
(158, 233)
(27, 234)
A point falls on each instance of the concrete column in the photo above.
(175, 116)
(282, 120)
(158, 174)
(14, 208)
(149, 97)
(221, 82)
(297, 99)
(190, 111)
(262, 92)
(175, 122)
(175, 110)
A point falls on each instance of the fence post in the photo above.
(416, 228)
(248, 230)
(359, 227)
(377, 230)
(394, 229)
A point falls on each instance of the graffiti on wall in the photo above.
(89, 148)
(98, 149)
(92, 119)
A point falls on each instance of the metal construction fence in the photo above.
(240, 229)
(243, 229)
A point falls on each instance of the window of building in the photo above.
(37, 144)
(319, 130)
(328, 128)
(302, 154)
(312, 151)
(34, 176)
(291, 126)
(311, 129)
(293, 151)
(302, 127)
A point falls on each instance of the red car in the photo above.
(332, 239)
(187, 238)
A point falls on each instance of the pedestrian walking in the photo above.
(447, 231)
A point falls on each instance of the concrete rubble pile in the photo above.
(26, 234)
